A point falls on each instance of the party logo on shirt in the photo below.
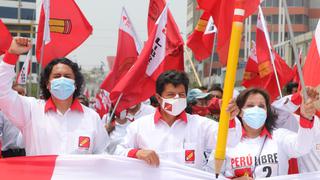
(243, 172)
(84, 142)
(189, 156)
(168, 107)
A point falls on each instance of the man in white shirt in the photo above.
(171, 134)
(59, 124)
(138, 111)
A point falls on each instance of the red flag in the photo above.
(201, 40)
(174, 46)
(129, 47)
(139, 83)
(68, 29)
(222, 12)
(25, 70)
(102, 103)
(5, 38)
(312, 64)
(266, 73)
(251, 76)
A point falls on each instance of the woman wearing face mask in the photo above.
(59, 124)
(172, 134)
(263, 151)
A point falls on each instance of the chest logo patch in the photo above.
(84, 142)
(189, 156)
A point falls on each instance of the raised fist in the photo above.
(20, 45)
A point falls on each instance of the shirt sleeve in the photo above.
(290, 103)
(128, 147)
(101, 139)
(16, 108)
(295, 144)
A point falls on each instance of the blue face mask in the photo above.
(255, 117)
(62, 88)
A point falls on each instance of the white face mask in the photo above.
(174, 106)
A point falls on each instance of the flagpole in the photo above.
(193, 68)
(115, 107)
(230, 78)
(266, 35)
(211, 63)
(294, 47)
(40, 67)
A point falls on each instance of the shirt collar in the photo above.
(264, 132)
(75, 106)
(182, 116)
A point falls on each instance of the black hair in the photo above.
(172, 77)
(202, 88)
(154, 102)
(290, 87)
(216, 88)
(271, 114)
(84, 100)
(45, 74)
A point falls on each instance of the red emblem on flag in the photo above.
(84, 142)
(168, 107)
(189, 156)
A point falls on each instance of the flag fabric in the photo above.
(259, 69)
(129, 47)
(102, 103)
(98, 167)
(25, 70)
(139, 83)
(201, 40)
(68, 29)
(251, 76)
(5, 38)
(174, 41)
(312, 64)
(222, 12)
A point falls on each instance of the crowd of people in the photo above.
(177, 124)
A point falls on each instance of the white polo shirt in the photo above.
(290, 104)
(143, 111)
(47, 131)
(189, 140)
(278, 148)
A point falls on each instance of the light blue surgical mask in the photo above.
(62, 88)
(255, 117)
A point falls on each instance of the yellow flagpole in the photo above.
(233, 55)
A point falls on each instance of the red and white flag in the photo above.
(102, 103)
(68, 29)
(5, 38)
(265, 68)
(295, 69)
(312, 64)
(222, 12)
(201, 40)
(129, 47)
(25, 70)
(139, 83)
(251, 76)
(97, 167)
(174, 41)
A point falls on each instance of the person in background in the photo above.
(172, 134)
(59, 124)
(139, 110)
(198, 103)
(291, 88)
(216, 92)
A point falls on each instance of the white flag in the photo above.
(23, 74)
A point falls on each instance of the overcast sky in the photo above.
(104, 16)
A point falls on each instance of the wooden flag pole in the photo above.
(233, 55)
(193, 68)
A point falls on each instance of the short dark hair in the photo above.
(271, 114)
(172, 77)
(216, 88)
(290, 87)
(45, 74)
